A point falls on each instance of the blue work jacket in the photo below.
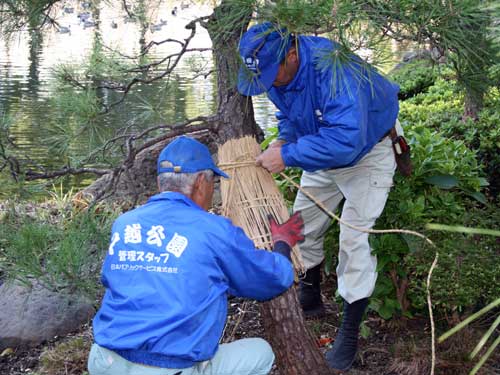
(168, 270)
(332, 114)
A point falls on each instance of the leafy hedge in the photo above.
(414, 77)
(441, 109)
(446, 184)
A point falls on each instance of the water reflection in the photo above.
(27, 86)
(35, 49)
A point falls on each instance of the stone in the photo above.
(30, 316)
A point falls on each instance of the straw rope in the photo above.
(329, 213)
(239, 162)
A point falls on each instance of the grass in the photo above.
(68, 357)
(62, 248)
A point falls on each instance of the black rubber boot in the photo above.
(342, 355)
(310, 293)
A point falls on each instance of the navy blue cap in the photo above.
(187, 155)
(262, 48)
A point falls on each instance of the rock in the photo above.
(30, 316)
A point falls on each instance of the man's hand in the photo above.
(277, 143)
(271, 158)
(289, 232)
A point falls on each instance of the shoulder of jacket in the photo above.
(214, 219)
(316, 42)
(128, 216)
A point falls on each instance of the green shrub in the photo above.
(445, 184)
(483, 136)
(441, 108)
(66, 254)
(447, 175)
(466, 278)
(414, 77)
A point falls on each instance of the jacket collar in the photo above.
(174, 196)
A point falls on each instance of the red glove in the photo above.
(289, 232)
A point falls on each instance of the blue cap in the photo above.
(262, 48)
(187, 155)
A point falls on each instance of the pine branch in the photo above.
(31, 175)
(171, 66)
(210, 123)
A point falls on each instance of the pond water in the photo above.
(28, 61)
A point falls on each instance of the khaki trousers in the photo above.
(365, 188)
(251, 356)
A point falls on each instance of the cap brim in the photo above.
(217, 171)
(250, 84)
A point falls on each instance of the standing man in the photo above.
(169, 268)
(334, 121)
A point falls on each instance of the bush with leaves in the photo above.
(445, 188)
(445, 185)
(441, 109)
(414, 77)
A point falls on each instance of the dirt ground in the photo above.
(397, 347)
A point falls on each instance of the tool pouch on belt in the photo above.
(402, 153)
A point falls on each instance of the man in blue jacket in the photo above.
(334, 116)
(167, 273)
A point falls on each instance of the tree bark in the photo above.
(249, 197)
(473, 103)
(294, 345)
(235, 111)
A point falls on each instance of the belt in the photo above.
(387, 133)
(391, 132)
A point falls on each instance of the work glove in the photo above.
(289, 232)
(286, 235)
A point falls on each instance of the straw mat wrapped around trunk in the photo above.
(251, 194)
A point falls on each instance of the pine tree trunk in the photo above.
(248, 198)
(235, 111)
(473, 103)
(294, 345)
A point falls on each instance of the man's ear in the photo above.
(200, 179)
(198, 184)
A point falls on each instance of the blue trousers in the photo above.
(252, 356)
